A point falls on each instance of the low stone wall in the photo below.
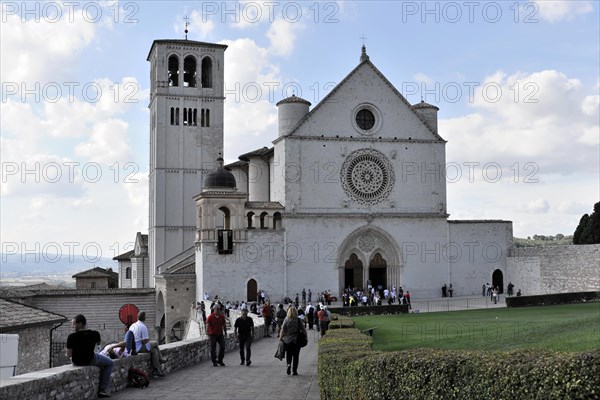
(69, 382)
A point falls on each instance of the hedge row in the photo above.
(551, 299)
(349, 369)
(371, 310)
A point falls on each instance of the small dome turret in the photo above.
(219, 179)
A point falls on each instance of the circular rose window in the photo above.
(367, 176)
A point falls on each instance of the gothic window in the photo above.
(173, 71)
(250, 217)
(277, 220)
(263, 220)
(128, 273)
(185, 116)
(206, 72)
(189, 72)
(195, 117)
(207, 117)
(223, 218)
(177, 116)
(172, 115)
(202, 118)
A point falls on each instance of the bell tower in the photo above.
(186, 137)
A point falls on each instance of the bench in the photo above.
(369, 331)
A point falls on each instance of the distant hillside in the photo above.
(47, 264)
(541, 241)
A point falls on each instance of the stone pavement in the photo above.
(265, 379)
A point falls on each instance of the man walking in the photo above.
(144, 345)
(80, 349)
(216, 329)
(243, 331)
(267, 314)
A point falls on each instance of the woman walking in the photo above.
(290, 328)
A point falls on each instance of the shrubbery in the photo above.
(349, 369)
(551, 299)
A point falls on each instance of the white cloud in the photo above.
(31, 47)
(538, 206)
(572, 207)
(591, 105)
(249, 102)
(558, 10)
(107, 144)
(282, 36)
(527, 118)
(201, 25)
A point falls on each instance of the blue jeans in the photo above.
(106, 367)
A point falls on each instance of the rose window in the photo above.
(367, 176)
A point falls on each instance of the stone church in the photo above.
(351, 192)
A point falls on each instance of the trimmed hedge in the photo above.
(551, 299)
(371, 310)
(349, 369)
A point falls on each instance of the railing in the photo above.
(456, 304)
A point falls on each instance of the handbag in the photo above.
(301, 338)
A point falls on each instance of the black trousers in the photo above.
(292, 352)
(214, 339)
(245, 344)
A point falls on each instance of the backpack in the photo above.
(138, 378)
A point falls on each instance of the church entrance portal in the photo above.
(378, 271)
(251, 290)
(353, 272)
(498, 280)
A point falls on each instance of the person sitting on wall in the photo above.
(80, 349)
(144, 345)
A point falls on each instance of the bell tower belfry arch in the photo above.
(186, 137)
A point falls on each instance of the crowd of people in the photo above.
(375, 296)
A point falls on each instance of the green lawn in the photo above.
(571, 327)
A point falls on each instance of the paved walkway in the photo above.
(265, 379)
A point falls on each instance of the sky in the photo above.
(517, 84)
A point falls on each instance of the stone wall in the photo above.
(555, 269)
(34, 348)
(69, 382)
(100, 307)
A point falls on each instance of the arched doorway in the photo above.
(353, 272)
(378, 271)
(251, 290)
(498, 280)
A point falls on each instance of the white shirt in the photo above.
(140, 332)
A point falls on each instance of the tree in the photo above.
(588, 230)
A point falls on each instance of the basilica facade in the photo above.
(351, 193)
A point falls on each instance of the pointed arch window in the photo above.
(207, 72)
(173, 74)
(189, 71)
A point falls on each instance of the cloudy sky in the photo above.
(517, 85)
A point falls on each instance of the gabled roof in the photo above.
(15, 316)
(182, 263)
(97, 272)
(262, 152)
(125, 256)
(364, 63)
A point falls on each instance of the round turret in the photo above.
(291, 111)
(429, 114)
